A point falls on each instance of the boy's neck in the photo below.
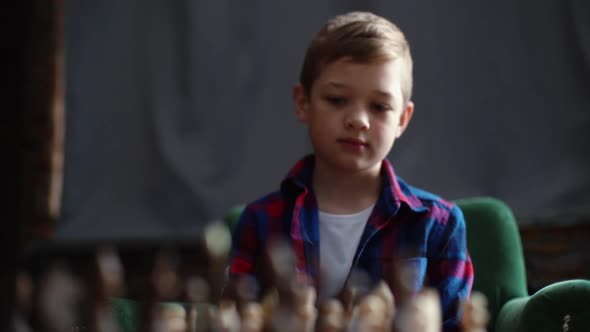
(343, 192)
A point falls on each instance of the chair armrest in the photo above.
(546, 310)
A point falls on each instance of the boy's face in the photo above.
(354, 112)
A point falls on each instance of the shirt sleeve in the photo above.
(450, 269)
(244, 252)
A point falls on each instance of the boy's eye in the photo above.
(380, 107)
(336, 100)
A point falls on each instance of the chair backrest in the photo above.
(495, 247)
(233, 216)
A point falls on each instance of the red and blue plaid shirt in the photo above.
(407, 225)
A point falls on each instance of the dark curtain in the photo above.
(178, 110)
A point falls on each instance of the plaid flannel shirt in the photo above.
(408, 226)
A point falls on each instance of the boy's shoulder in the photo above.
(421, 199)
(270, 204)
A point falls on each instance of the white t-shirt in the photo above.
(339, 238)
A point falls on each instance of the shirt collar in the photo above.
(300, 178)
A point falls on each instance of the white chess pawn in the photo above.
(331, 316)
(173, 318)
(252, 317)
(305, 297)
(226, 317)
(475, 313)
(422, 313)
(382, 290)
(372, 315)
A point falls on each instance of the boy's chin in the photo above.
(355, 164)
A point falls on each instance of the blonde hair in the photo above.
(363, 37)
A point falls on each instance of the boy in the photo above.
(343, 208)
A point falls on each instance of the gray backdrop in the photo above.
(178, 110)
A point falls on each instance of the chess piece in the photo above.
(217, 242)
(109, 284)
(355, 288)
(23, 301)
(59, 299)
(252, 317)
(246, 290)
(331, 316)
(173, 318)
(306, 312)
(269, 303)
(197, 292)
(164, 286)
(225, 318)
(372, 314)
(475, 313)
(280, 304)
(421, 313)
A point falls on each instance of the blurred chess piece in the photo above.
(269, 303)
(306, 312)
(23, 301)
(246, 290)
(475, 313)
(173, 317)
(217, 242)
(59, 300)
(355, 288)
(197, 293)
(373, 311)
(383, 291)
(289, 305)
(566, 323)
(281, 267)
(371, 315)
(109, 284)
(421, 313)
(164, 285)
(331, 316)
(252, 317)
(225, 318)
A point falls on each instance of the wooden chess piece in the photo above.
(475, 313)
(197, 293)
(355, 288)
(109, 284)
(246, 290)
(59, 299)
(421, 313)
(164, 286)
(173, 317)
(371, 315)
(384, 292)
(269, 303)
(217, 242)
(331, 316)
(23, 301)
(306, 312)
(252, 317)
(225, 318)
(279, 301)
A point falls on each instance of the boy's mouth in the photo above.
(355, 142)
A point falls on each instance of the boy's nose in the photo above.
(357, 120)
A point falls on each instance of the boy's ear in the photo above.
(405, 118)
(301, 101)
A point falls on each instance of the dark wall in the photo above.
(178, 110)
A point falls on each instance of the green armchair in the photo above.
(496, 251)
